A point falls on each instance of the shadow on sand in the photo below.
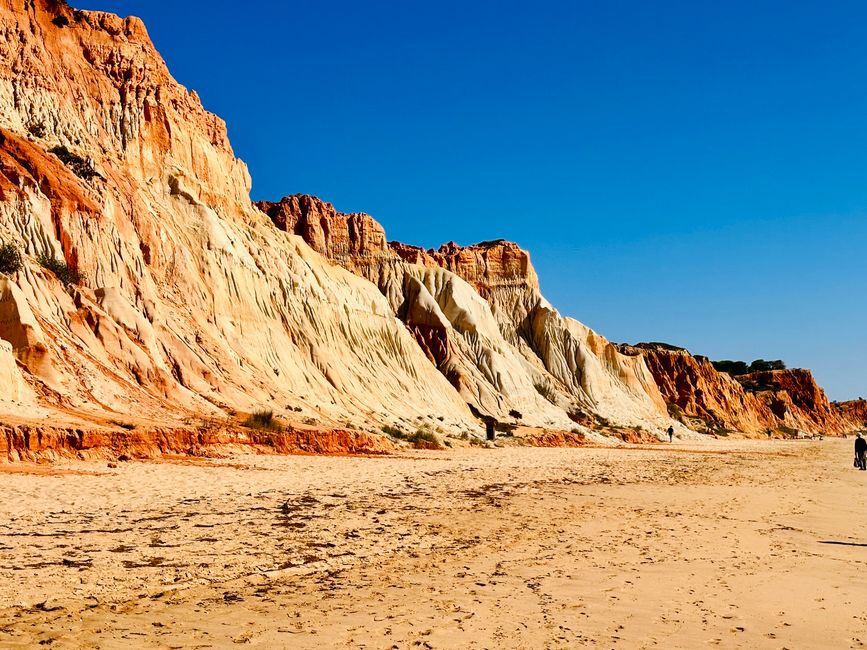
(842, 543)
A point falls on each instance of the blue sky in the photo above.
(690, 172)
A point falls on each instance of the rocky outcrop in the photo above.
(853, 411)
(352, 240)
(486, 266)
(796, 400)
(692, 387)
(755, 403)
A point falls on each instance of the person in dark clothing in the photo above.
(671, 434)
(860, 452)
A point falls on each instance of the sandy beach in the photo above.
(753, 544)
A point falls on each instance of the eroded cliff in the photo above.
(154, 297)
(757, 403)
(478, 314)
(192, 304)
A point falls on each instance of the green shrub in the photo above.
(763, 384)
(425, 439)
(264, 420)
(736, 368)
(79, 166)
(65, 273)
(661, 345)
(760, 365)
(10, 259)
(394, 432)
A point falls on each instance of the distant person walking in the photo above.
(671, 434)
(860, 451)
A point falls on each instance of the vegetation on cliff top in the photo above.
(735, 368)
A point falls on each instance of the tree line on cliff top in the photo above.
(735, 368)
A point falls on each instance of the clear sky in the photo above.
(689, 172)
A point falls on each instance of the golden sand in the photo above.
(762, 546)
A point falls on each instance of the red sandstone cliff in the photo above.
(854, 411)
(485, 265)
(794, 397)
(697, 390)
(351, 240)
(754, 403)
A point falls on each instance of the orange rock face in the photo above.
(794, 397)
(854, 411)
(754, 403)
(191, 304)
(348, 239)
(357, 240)
(41, 443)
(699, 391)
(485, 265)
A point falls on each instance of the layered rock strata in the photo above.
(478, 314)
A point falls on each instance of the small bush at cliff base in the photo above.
(263, 420)
(424, 439)
(10, 259)
(65, 273)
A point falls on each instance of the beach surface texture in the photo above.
(754, 544)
